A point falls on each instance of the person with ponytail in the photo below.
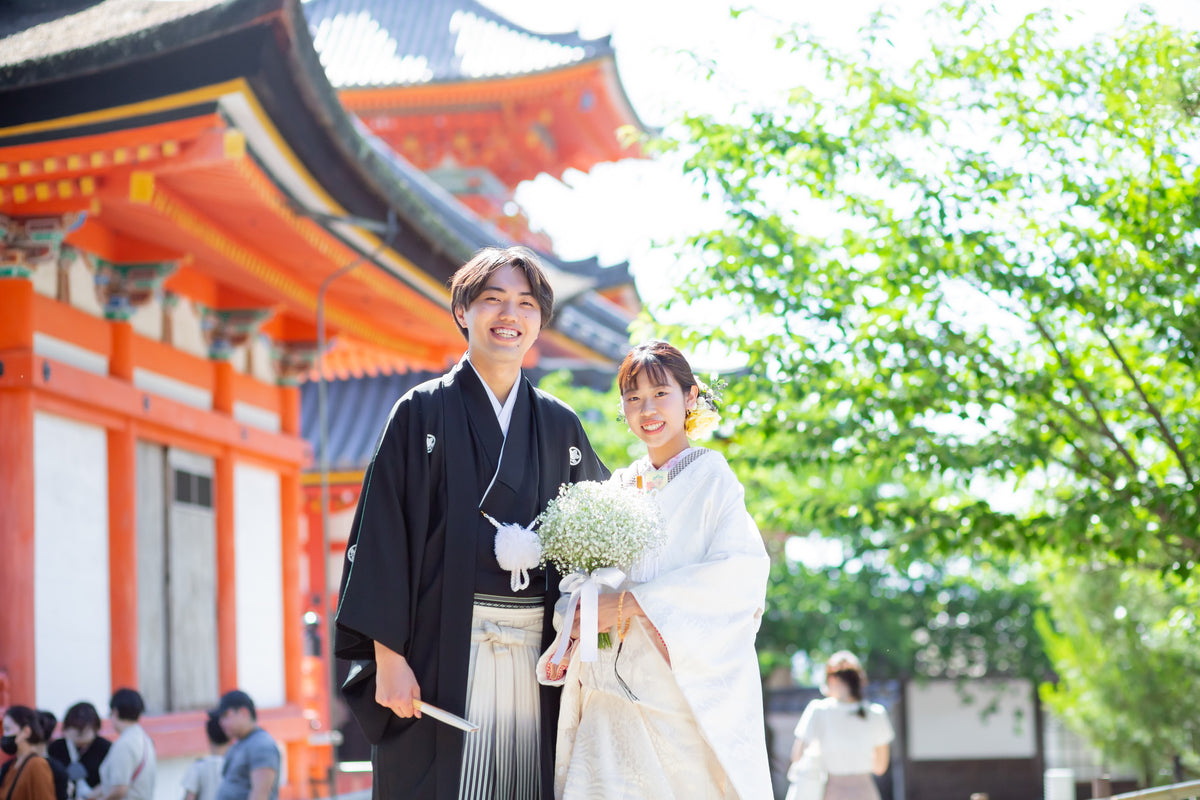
(27, 776)
(853, 735)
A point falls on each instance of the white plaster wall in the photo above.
(256, 416)
(169, 387)
(73, 354)
(186, 334)
(45, 279)
(259, 582)
(946, 721)
(262, 366)
(148, 320)
(340, 523)
(83, 288)
(240, 359)
(71, 611)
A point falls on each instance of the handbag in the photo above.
(807, 776)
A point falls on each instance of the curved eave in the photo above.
(250, 60)
(437, 96)
(252, 63)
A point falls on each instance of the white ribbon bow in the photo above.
(585, 593)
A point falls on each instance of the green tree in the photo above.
(1126, 645)
(972, 278)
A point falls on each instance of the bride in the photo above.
(675, 709)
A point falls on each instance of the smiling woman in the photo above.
(685, 619)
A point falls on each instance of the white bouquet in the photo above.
(592, 532)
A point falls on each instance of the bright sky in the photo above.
(621, 211)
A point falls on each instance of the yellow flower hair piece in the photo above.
(701, 421)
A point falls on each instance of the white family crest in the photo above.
(350, 553)
(430, 441)
(575, 455)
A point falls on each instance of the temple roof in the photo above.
(250, 162)
(406, 42)
(39, 35)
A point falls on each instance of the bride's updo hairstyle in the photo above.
(657, 359)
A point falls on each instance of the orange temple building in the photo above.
(183, 201)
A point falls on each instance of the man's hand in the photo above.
(395, 684)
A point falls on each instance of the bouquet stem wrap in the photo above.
(584, 589)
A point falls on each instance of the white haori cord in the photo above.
(518, 550)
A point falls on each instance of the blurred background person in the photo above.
(62, 783)
(251, 770)
(26, 776)
(129, 769)
(203, 777)
(853, 735)
(81, 747)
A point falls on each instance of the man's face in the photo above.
(504, 321)
(236, 722)
(80, 737)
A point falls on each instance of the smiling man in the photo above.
(426, 610)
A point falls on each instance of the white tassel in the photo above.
(518, 550)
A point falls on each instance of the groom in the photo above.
(423, 597)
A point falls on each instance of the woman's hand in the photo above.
(606, 612)
(395, 684)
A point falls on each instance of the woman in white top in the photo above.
(853, 735)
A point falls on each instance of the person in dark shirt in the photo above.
(81, 748)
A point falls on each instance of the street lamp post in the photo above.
(389, 231)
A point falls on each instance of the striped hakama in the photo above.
(501, 760)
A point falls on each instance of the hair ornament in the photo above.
(701, 421)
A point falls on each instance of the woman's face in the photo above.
(19, 734)
(836, 687)
(80, 737)
(655, 412)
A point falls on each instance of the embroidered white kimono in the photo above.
(696, 729)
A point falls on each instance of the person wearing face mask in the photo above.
(28, 775)
(674, 708)
(81, 747)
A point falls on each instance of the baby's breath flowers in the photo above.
(593, 525)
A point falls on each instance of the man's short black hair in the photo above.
(235, 698)
(127, 704)
(80, 716)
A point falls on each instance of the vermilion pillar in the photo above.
(122, 525)
(226, 546)
(17, 490)
(290, 507)
(122, 555)
(293, 621)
